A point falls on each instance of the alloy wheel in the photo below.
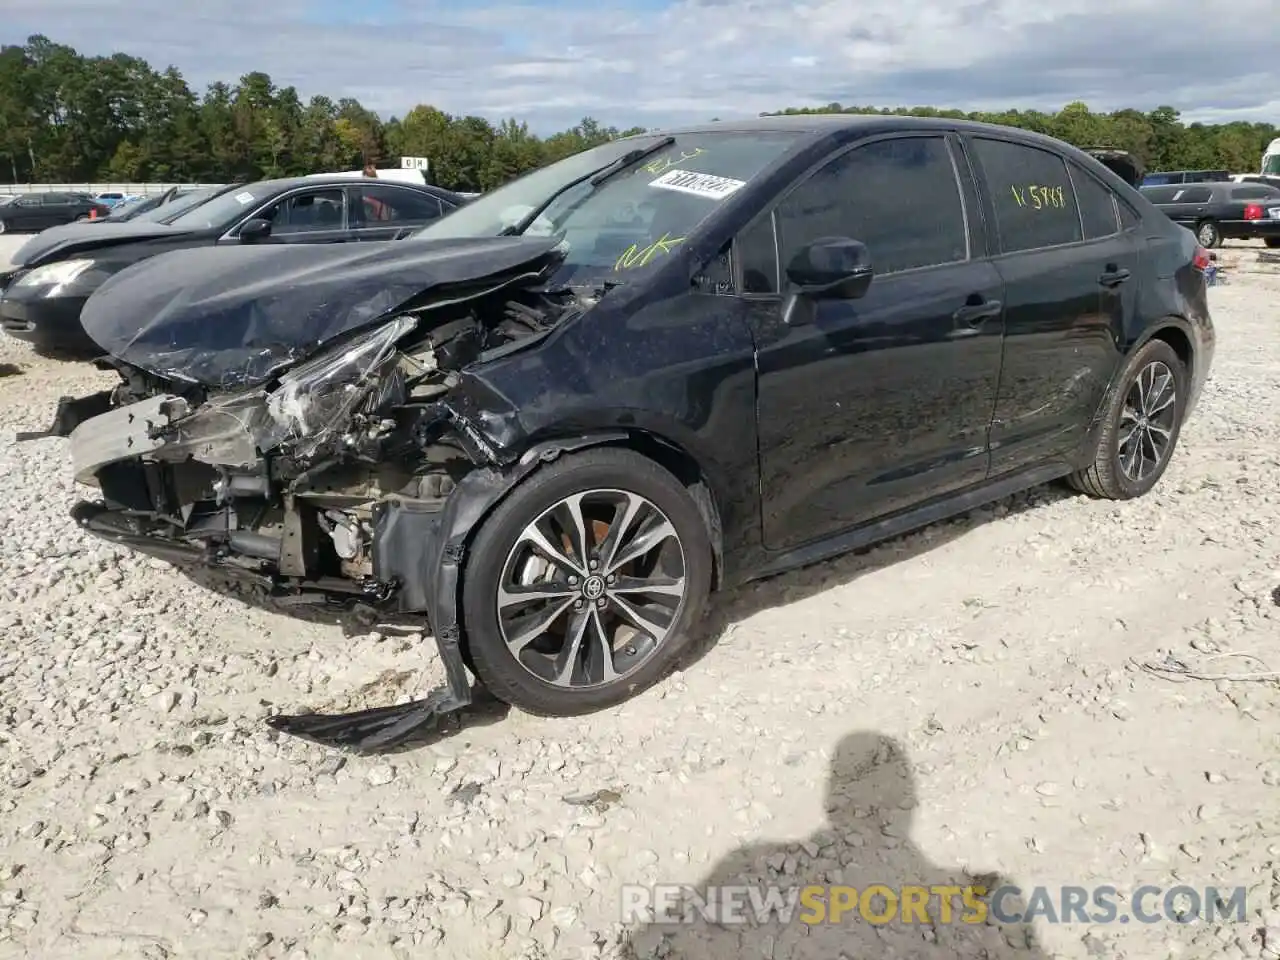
(1207, 235)
(592, 588)
(1147, 421)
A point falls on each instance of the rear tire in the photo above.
(627, 620)
(1141, 426)
(1208, 235)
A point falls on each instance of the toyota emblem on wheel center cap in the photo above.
(593, 588)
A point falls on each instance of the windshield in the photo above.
(1271, 163)
(128, 209)
(221, 211)
(183, 202)
(632, 219)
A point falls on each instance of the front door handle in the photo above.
(1114, 276)
(976, 314)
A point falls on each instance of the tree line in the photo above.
(66, 118)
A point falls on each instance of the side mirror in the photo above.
(829, 268)
(255, 229)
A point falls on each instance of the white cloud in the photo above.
(697, 59)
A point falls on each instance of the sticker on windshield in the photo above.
(698, 184)
(244, 197)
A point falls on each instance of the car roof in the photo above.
(824, 124)
(337, 180)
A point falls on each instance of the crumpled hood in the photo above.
(57, 243)
(236, 316)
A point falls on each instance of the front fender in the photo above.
(424, 549)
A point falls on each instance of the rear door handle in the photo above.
(1113, 278)
(976, 314)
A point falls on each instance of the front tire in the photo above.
(1143, 421)
(582, 586)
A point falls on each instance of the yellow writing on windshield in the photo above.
(663, 164)
(1037, 197)
(635, 256)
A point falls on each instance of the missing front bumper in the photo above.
(380, 728)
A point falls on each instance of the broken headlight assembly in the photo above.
(312, 406)
(317, 400)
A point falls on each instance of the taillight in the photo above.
(1253, 211)
(1201, 259)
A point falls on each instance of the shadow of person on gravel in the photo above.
(861, 871)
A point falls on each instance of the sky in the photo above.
(658, 62)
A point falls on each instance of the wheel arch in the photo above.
(672, 456)
(481, 492)
(1173, 330)
(1176, 332)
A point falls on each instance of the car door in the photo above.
(385, 211)
(872, 405)
(1065, 297)
(56, 209)
(314, 215)
(1192, 203)
(24, 213)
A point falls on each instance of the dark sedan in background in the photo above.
(54, 274)
(1222, 211)
(33, 212)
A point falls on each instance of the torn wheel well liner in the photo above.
(424, 550)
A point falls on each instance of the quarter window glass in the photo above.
(307, 212)
(1097, 205)
(1035, 205)
(759, 258)
(900, 197)
(387, 204)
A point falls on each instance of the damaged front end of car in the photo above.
(352, 475)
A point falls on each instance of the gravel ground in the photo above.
(146, 811)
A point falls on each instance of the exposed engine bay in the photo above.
(282, 482)
(344, 469)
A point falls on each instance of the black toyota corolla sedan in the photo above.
(556, 421)
(55, 272)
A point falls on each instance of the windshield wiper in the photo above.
(596, 177)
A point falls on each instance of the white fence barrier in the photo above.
(135, 189)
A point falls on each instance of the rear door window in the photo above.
(1031, 191)
(381, 205)
(1097, 205)
(1192, 195)
(1252, 193)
